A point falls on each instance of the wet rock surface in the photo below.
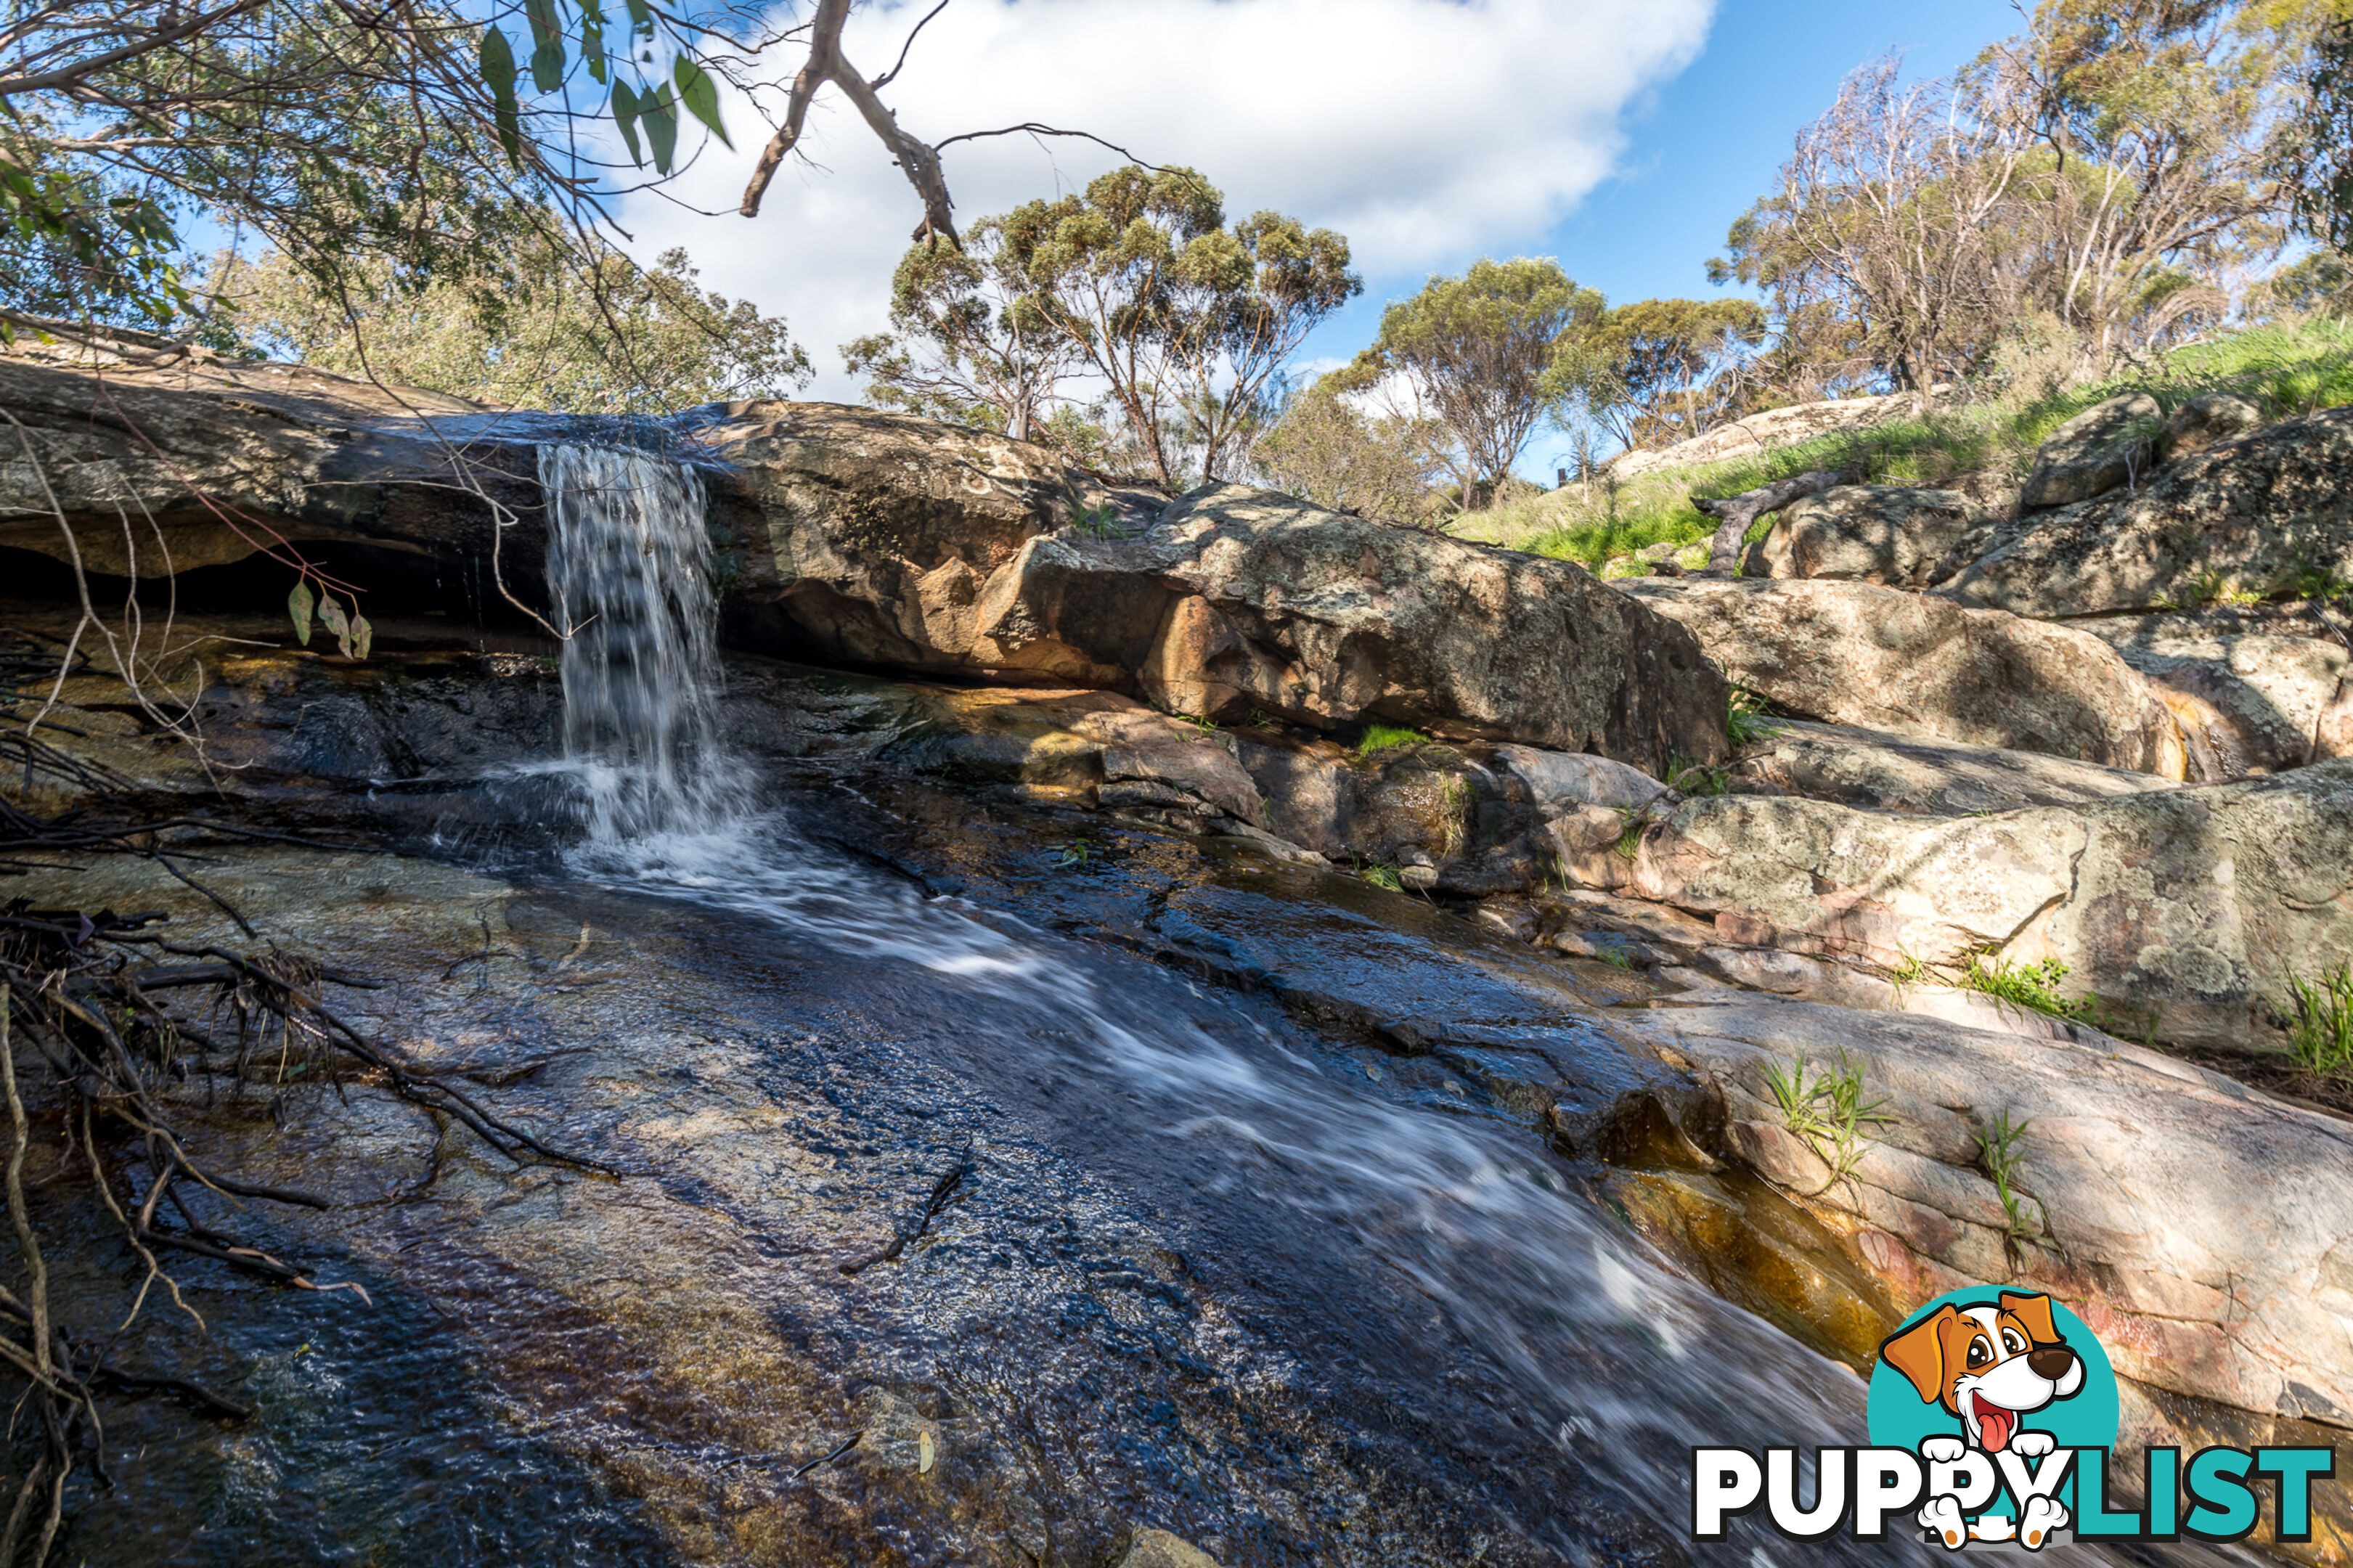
(1208, 1104)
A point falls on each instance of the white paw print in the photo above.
(1942, 1520)
(1942, 1450)
(2043, 1516)
(2033, 1444)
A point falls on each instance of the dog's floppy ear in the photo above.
(2034, 1312)
(1918, 1353)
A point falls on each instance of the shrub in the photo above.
(2034, 985)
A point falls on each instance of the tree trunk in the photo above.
(1738, 514)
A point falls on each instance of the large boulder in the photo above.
(1867, 533)
(206, 465)
(1234, 602)
(1853, 653)
(2208, 420)
(2188, 913)
(2269, 513)
(2109, 444)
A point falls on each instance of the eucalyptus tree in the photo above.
(1181, 317)
(1489, 356)
(975, 339)
(412, 134)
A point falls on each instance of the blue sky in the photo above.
(1703, 144)
(1621, 136)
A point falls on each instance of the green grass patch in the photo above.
(1998, 1151)
(1746, 720)
(2320, 1036)
(1384, 876)
(1828, 1111)
(1389, 737)
(2034, 985)
(2285, 370)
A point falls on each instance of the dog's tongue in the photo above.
(1994, 1423)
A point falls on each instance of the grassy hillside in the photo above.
(1985, 445)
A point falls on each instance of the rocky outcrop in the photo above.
(2185, 912)
(2208, 420)
(2252, 689)
(159, 470)
(2258, 515)
(2196, 1226)
(879, 540)
(1884, 772)
(1771, 428)
(2109, 444)
(1853, 653)
(1237, 602)
(1866, 533)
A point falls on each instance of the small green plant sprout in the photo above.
(1097, 522)
(1260, 719)
(1615, 957)
(1384, 876)
(1389, 737)
(1828, 1112)
(1999, 1150)
(1909, 968)
(1746, 720)
(1076, 852)
(1630, 841)
(2320, 1036)
(2031, 985)
(1208, 726)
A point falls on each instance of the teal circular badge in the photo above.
(1983, 1356)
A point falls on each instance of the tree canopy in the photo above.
(1185, 319)
(612, 337)
(1488, 355)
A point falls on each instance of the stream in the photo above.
(1008, 1151)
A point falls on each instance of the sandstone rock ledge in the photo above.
(2203, 1230)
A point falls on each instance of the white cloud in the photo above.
(1429, 131)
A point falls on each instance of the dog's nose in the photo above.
(2050, 1362)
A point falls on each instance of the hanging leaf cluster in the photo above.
(646, 110)
(354, 636)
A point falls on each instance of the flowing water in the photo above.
(627, 564)
(1377, 1300)
(1629, 1362)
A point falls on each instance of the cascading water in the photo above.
(1631, 1359)
(627, 564)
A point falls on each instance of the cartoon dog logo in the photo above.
(1990, 1364)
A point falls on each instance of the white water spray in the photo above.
(628, 567)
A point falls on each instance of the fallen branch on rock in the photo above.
(1739, 513)
(942, 1190)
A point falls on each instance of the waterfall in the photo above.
(627, 570)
